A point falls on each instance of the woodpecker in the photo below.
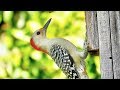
(63, 52)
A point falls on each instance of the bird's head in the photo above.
(38, 37)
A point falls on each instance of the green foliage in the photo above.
(19, 60)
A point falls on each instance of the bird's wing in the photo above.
(64, 61)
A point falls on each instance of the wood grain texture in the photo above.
(103, 33)
(115, 39)
(92, 31)
(105, 47)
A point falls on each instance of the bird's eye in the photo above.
(38, 33)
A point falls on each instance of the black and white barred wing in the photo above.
(64, 61)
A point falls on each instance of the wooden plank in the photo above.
(105, 44)
(107, 26)
(92, 31)
(115, 39)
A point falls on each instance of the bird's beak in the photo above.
(46, 25)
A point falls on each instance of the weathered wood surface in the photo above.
(105, 44)
(115, 40)
(105, 27)
(92, 31)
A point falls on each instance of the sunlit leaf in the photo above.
(7, 16)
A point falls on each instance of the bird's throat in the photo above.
(36, 47)
(33, 45)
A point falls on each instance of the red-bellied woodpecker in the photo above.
(64, 53)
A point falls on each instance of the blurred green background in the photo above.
(19, 60)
